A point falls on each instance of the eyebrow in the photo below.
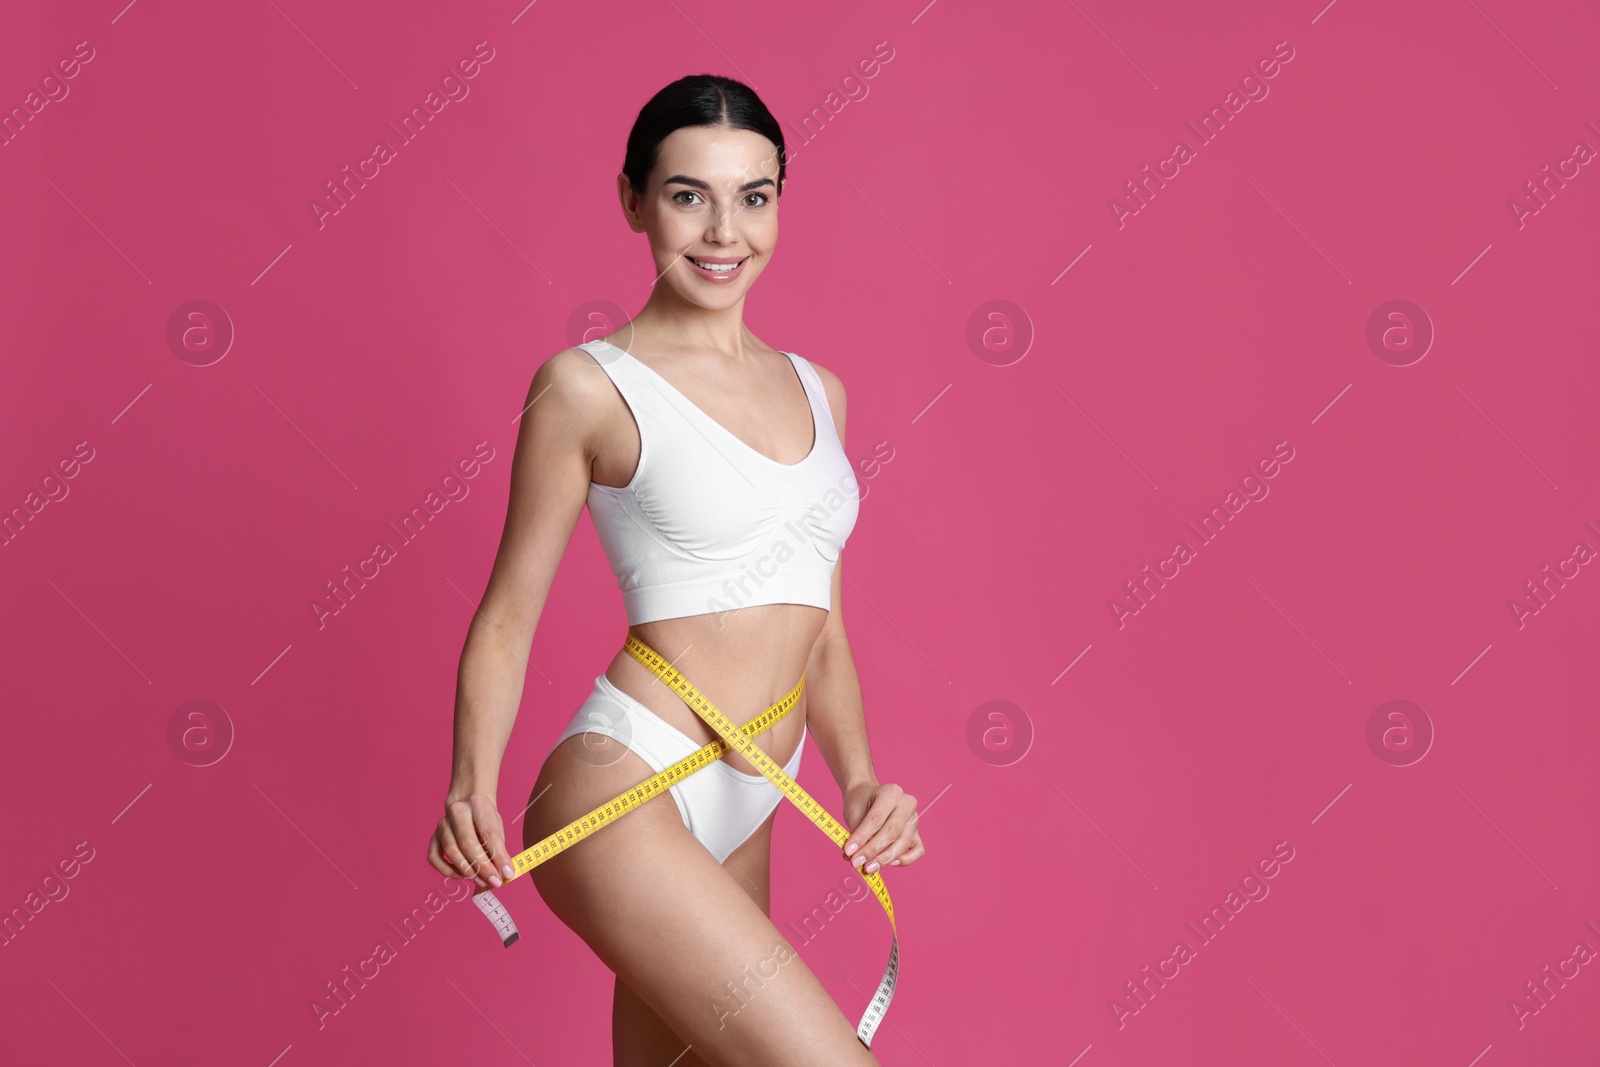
(696, 183)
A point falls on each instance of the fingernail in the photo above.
(872, 866)
(851, 847)
(507, 871)
(494, 880)
(480, 881)
(857, 861)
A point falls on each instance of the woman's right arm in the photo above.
(550, 473)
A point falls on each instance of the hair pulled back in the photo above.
(698, 100)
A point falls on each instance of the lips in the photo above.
(717, 268)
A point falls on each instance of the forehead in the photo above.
(717, 155)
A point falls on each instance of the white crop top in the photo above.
(708, 524)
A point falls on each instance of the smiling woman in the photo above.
(748, 151)
(701, 452)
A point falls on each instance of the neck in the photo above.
(669, 321)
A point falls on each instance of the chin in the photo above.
(728, 300)
(692, 291)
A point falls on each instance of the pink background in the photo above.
(1170, 753)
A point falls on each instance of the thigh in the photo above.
(751, 865)
(678, 929)
(639, 1037)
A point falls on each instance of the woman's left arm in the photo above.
(882, 817)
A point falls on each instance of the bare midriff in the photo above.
(743, 661)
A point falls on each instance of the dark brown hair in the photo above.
(697, 100)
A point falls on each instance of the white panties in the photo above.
(721, 806)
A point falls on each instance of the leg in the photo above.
(677, 928)
(639, 1037)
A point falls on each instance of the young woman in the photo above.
(714, 470)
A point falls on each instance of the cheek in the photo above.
(671, 229)
(754, 270)
(667, 250)
(762, 225)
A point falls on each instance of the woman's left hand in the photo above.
(883, 826)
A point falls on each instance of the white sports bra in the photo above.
(708, 524)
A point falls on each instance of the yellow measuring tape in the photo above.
(731, 736)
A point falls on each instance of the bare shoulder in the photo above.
(568, 368)
(572, 408)
(570, 396)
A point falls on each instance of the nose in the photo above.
(719, 229)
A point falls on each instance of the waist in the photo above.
(742, 666)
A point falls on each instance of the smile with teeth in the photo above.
(715, 268)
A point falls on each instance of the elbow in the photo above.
(504, 635)
(831, 638)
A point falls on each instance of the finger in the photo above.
(884, 800)
(494, 840)
(444, 846)
(456, 833)
(897, 809)
(897, 850)
(486, 823)
(897, 834)
(909, 838)
(463, 820)
(876, 812)
(887, 841)
(451, 852)
(885, 806)
(903, 854)
(915, 852)
(436, 859)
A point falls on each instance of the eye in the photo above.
(685, 192)
(763, 198)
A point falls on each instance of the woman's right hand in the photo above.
(470, 842)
